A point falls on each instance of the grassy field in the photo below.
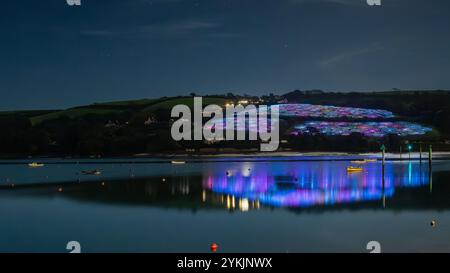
(143, 106)
(125, 103)
(71, 113)
(96, 109)
(27, 113)
(189, 101)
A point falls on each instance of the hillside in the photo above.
(143, 126)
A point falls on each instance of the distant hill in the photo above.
(143, 126)
(142, 107)
(27, 113)
(95, 109)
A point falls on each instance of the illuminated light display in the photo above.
(316, 111)
(370, 129)
(367, 128)
(250, 124)
(308, 184)
(332, 112)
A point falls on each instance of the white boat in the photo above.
(35, 165)
(175, 162)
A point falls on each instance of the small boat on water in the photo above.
(358, 162)
(353, 169)
(92, 172)
(175, 162)
(370, 160)
(364, 161)
(35, 165)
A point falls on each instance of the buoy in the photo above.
(164, 180)
(433, 223)
(103, 183)
(214, 247)
(60, 189)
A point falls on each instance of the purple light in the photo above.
(332, 112)
(370, 129)
(314, 184)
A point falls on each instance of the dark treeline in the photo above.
(132, 130)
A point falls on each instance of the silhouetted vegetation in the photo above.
(143, 126)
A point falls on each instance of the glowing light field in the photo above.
(332, 112)
(250, 124)
(370, 129)
(336, 128)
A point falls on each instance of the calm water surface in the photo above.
(243, 205)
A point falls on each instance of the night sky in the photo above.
(56, 56)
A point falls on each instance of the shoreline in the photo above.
(239, 157)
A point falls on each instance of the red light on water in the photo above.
(214, 247)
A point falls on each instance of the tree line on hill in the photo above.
(132, 131)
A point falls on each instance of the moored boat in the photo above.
(370, 160)
(352, 169)
(176, 162)
(358, 162)
(91, 172)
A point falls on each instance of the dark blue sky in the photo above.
(56, 56)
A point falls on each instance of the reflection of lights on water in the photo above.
(309, 184)
(409, 172)
(243, 204)
(182, 188)
(246, 170)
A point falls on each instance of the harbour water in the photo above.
(242, 204)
